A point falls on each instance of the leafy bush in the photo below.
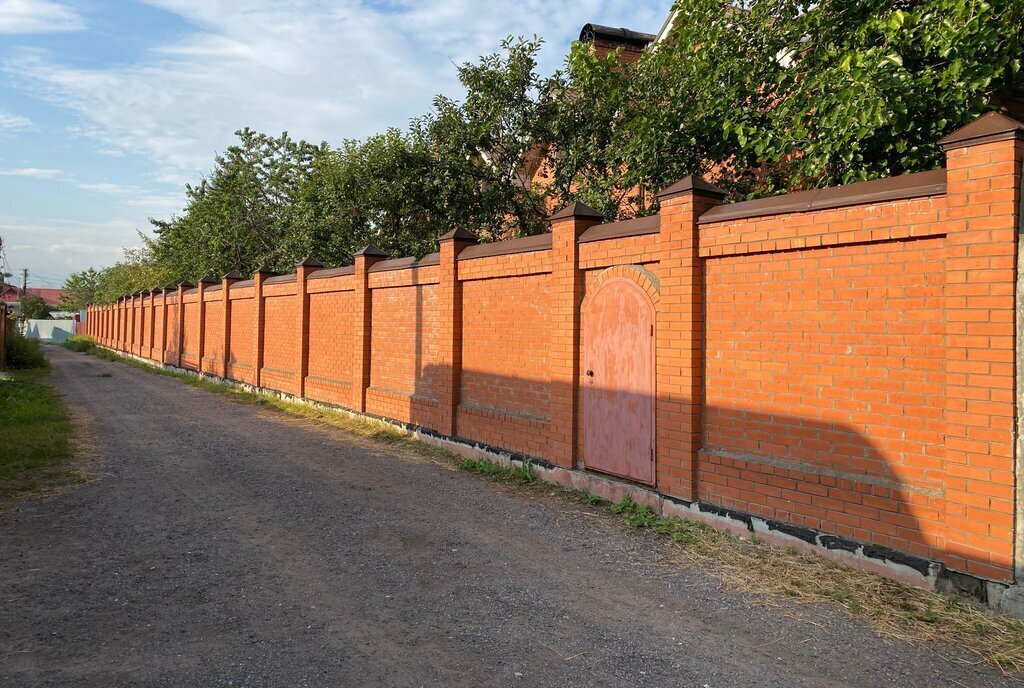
(24, 353)
(80, 342)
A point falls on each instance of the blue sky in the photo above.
(108, 107)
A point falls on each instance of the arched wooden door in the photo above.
(618, 381)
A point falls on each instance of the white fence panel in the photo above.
(49, 330)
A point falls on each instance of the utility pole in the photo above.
(24, 281)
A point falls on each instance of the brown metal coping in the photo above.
(216, 287)
(243, 283)
(992, 126)
(407, 262)
(193, 290)
(931, 183)
(393, 264)
(333, 272)
(539, 242)
(281, 279)
(626, 228)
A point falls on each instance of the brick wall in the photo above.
(841, 360)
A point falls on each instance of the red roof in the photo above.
(11, 294)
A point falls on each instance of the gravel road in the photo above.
(223, 545)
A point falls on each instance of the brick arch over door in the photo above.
(644, 278)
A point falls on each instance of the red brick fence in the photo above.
(833, 368)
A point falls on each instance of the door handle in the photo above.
(590, 373)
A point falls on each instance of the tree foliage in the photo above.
(784, 94)
(761, 97)
(80, 290)
(240, 216)
(33, 308)
(138, 270)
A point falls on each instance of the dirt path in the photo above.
(228, 546)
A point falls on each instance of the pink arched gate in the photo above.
(618, 381)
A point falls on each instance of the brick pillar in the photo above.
(302, 272)
(140, 324)
(138, 309)
(204, 284)
(261, 320)
(225, 285)
(120, 323)
(679, 338)
(131, 325)
(126, 339)
(566, 297)
(449, 324)
(152, 323)
(165, 338)
(983, 196)
(361, 358)
(137, 323)
(180, 312)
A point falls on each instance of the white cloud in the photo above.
(12, 122)
(33, 172)
(320, 69)
(105, 187)
(56, 247)
(37, 16)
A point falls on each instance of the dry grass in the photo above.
(895, 610)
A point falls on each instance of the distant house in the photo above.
(10, 294)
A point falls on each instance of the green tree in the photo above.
(33, 308)
(80, 290)
(482, 146)
(874, 84)
(375, 191)
(138, 270)
(786, 94)
(239, 217)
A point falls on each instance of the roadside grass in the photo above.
(23, 353)
(774, 574)
(81, 343)
(35, 437)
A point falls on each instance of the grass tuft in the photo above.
(81, 343)
(522, 473)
